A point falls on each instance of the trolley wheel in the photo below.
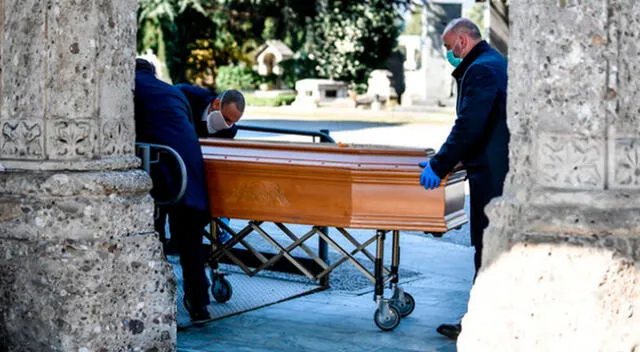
(406, 308)
(388, 321)
(221, 289)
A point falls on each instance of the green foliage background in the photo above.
(342, 39)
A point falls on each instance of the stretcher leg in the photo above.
(387, 316)
(221, 288)
(402, 300)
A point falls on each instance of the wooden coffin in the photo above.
(329, 185)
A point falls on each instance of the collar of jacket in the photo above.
(481, 47)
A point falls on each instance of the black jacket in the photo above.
(199, 99)
(480, 137)
(163, 116)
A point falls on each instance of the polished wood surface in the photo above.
(328, 185)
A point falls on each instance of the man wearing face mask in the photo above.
(214, 115)
(480, 137)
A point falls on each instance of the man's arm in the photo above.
(478, 93)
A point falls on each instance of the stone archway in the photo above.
(80, 267)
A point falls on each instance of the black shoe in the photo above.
(198, 314)
(450, 330)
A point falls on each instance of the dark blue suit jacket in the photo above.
(163, 116)
(199, 99)
(480, 137)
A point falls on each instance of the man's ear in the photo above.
(465, 42)
(215, 105)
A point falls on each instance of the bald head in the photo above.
(460, 36)
(463, 26)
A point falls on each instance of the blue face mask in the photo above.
(453, 60)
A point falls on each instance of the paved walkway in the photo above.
(335, 320)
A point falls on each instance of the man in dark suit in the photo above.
(480, 137)
(215, 116)
(162, 116)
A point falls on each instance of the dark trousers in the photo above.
(186, 226)
(484, 185)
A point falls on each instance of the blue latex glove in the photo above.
(428, 178)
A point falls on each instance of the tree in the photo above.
(352, 38)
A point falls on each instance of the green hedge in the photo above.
(280, 100)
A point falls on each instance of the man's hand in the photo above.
(428, 178)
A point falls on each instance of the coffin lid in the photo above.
(363, 157)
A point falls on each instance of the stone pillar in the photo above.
(560, 267)
(80, 267)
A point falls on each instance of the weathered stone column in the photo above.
(561, 266)
(80, 268)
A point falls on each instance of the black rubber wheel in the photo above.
(388, 322)
(221, 290)
(406, 308)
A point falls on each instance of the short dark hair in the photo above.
(463, 25)
(142, 64)
(232, 96)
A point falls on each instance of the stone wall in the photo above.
(80, 266)
(560, 267)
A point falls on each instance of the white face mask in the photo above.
(216, 122)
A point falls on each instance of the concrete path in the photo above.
(335, 320)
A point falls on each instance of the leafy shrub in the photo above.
(236, 77)
(270, 80)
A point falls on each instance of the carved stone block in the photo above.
(71, 139)
(570, 162)
(21, 139)
(117, 137)
(627, 163)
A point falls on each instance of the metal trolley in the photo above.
(389, 310)
(316, 267)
